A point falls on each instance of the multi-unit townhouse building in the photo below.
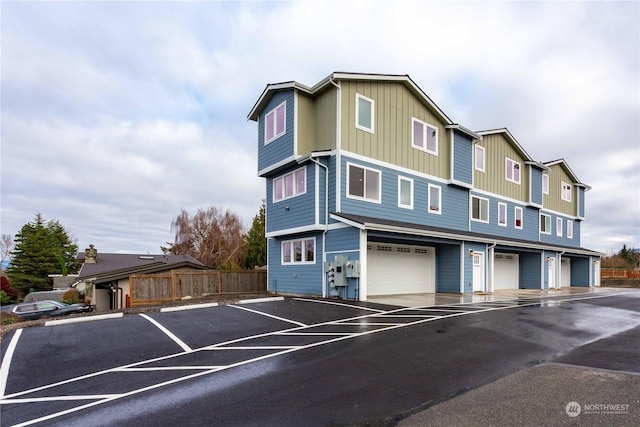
(371, 189)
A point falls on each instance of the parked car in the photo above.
(39, 309)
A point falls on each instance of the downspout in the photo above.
(490, 255)
(559, 270)
(338, 147)
(326, 219)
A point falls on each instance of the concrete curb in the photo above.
(82, 319)
(188, 307)
(268, 299)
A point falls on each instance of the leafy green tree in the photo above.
(41, 248)
(256, 241)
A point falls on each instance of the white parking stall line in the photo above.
(369, 324)
(257, 300)
(270, 315)
(171, 368)
(306, 334)
(258, 347)
(6, 361)
(175, 339)
(64, 398)
(359, 307)
(188, 307)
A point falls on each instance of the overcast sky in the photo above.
(116, 115)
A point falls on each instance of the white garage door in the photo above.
(400, 269)
(506, 272)
(565, 272)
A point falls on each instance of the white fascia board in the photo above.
(348, 222)
(295, 230)
(266, 95)
(281, 163)
(464, 130)
(510, 138)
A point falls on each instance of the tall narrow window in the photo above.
(479, 209)
(559, 227)
(545, 183)
(569, 229)
(275, 123)
(424, 136)
(479, 161)
(502, 214)
(545, 224)
(512, 171)
(365, 108)
(405, 192)
(566, 192)
(435, 199)
(517, 214)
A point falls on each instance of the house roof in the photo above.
(510, 138)
(270, 89)
(111, 266)
(565, 166)
(380, 224)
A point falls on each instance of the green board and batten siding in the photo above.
(313, 110)
(493, 179)
(553, 201)
(394, 107)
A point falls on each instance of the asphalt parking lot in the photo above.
(304, 361)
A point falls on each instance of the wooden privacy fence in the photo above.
(150, 289)
(614, 273)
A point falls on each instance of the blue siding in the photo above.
(530, 272)
(462, 158)
(545, 267)
(343, 239)
(561, 240)
(455, 201)
(581, 195)
(282, 147)
(530, 225)
(295, 211)
(448, 268)
(468, 264)
(580, 271)
(536, 186)
(294, 278)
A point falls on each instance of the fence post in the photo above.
(219, 281)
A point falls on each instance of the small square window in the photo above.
(479, 209)
(424, 136)
(363, 183)
(365, 108)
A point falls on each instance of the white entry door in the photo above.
(551, 272)
(478, 272)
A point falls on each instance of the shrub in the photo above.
(72, 296)
(9, 318)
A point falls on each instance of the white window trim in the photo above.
(424, 147)
(304, 251)
(373, 113)
(545, 183)
(506, 216)
(562, 188)
(366, 199)
(543, 220)
(559, 227)
(410, 181)
(513, 168)
(266, 119)
(569, 229)
(471, 209)
(517, 209)
(475, 159)
(433, 211)
(295, 185)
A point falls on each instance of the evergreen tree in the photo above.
(41, 248)
(255, 237)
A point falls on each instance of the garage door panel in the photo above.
(400, 269)
(506, 271)
(565, 273)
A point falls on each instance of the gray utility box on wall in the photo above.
(337, 271)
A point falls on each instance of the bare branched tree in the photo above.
(213, 237)
(6, 245)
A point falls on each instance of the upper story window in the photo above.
(570, 229)
(424, 136)
(275, 123)
(545, 183)
(365, 108)
(479, 209)
(300, 251)
(502, 214)
(435, 199)
(290, 185)
(405, 192)
(479, 160)
(559, 227)
(517, 215)
(363, 183)
(566, 192)
(512, 171)
(545, 224)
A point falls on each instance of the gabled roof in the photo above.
(118, 266)
(386, 225)
(567, 169)
(510, 138)
(329, 80)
